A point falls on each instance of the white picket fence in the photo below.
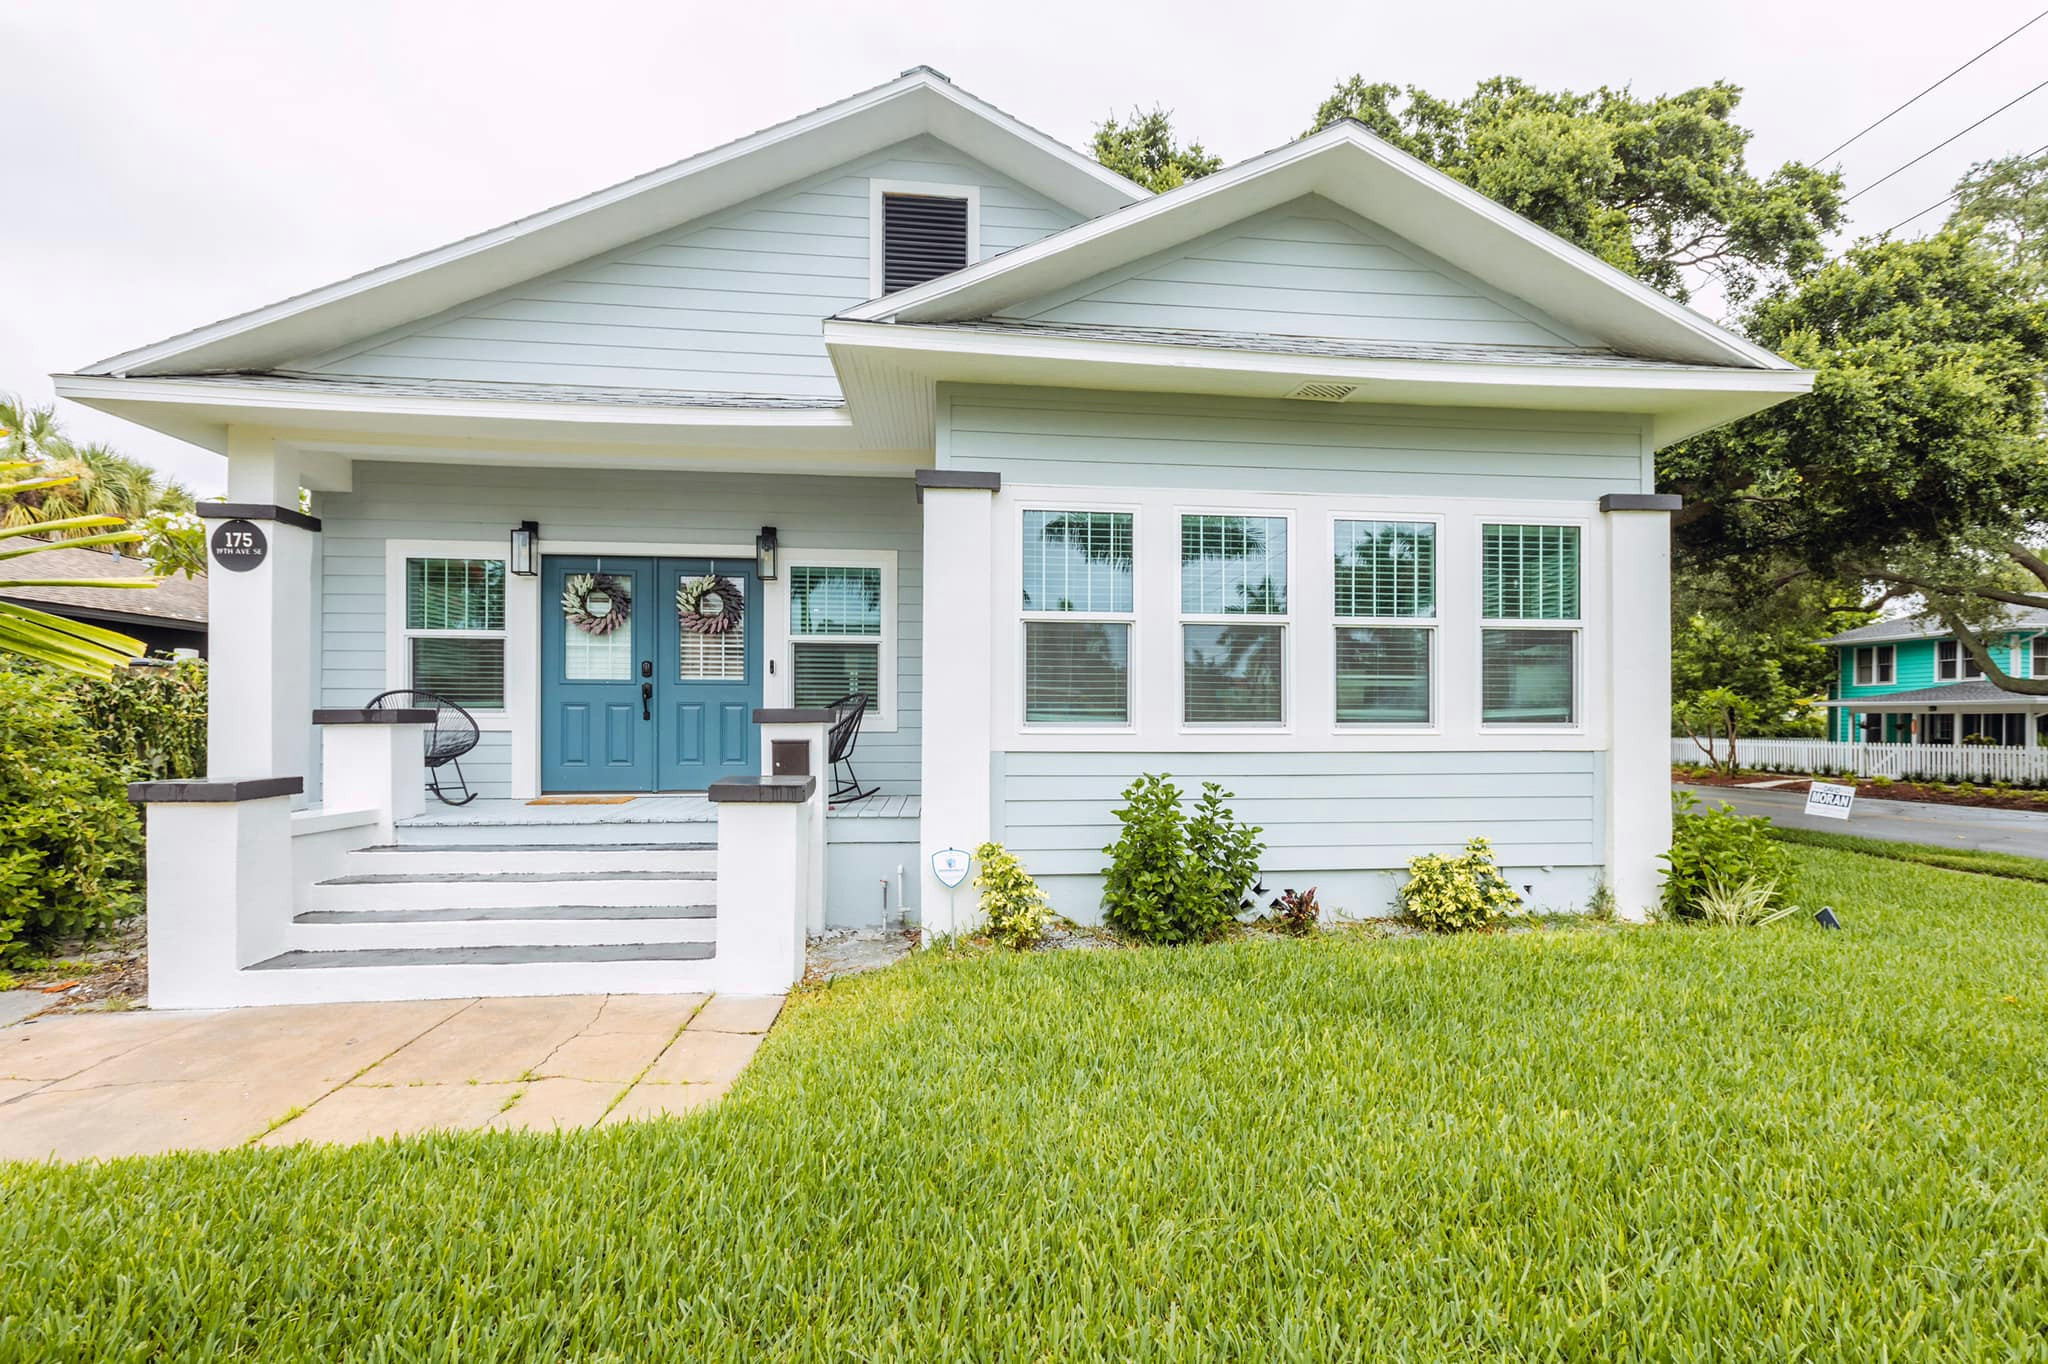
(1924, 762)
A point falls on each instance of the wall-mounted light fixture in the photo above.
(764, 554)
(524, 559)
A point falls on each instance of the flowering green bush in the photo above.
(1010, 900)
(1452, 894)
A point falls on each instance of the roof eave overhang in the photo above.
(419, 286)
(885, 367)
(1358, 171)
(203, 412)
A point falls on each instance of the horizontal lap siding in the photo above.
(732, 304)
(459, 502)
(1071, 437)
(1324, 815)
(1306, 269)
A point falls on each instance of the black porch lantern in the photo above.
(764, 554)
(524, 559)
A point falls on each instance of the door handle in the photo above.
(646, 695)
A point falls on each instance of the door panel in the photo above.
(708, 685)
(593, 734)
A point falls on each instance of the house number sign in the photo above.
(239, 546)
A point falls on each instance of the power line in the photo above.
(1950, 197)
(1939, 145)
(1932, 88)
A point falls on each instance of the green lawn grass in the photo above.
(1989, 863)
(1655, 1142)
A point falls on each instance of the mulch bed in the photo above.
(113, 973)
(1929, 793)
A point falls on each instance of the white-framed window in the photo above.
(1234, 614)
(842, 629)
(1876, 665)
(1386, 608)
(1530, 620)
(918, 231)
(1953, 661)
(2037, 649)
(1079, 603)
(454, 629)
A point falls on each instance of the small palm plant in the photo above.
(29, 633)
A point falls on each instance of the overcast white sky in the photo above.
(169, 164)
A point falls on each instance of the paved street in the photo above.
(1896, 821)
(116, 1084)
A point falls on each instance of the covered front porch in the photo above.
(1975, 712)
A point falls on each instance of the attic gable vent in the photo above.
(1324, 392)
(923, 236)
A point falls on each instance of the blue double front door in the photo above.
(630, 700)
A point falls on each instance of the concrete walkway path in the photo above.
(1895, 821)
(81, 1085)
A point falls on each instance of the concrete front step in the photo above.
(520, 926)
(408, 859)
(305, 977)
(510, 889)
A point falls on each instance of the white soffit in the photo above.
(1356, 170)
(918, 102)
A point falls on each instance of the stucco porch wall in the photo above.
(471, 509)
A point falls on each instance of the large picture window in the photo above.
(1079, 604)
(1530, 614)
(1386, 611)
(835, 628)
(1234, 612)
(455, 629)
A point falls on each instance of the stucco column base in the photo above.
(1638, 794)
(764, 873)
(220, 895)
(954, 766)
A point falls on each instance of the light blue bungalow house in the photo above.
(1909, 681)
(1323, 477)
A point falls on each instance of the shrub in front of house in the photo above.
(151, 719)
(1014, 907)
(1716, 851)
(1175, 878)
(1456, 894)
(70, 844)
(1297, 913)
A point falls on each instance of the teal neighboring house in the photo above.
(1910, 682)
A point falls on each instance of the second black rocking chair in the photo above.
(455, 733)
(846, 715)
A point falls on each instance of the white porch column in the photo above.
(220, 884)
(959, 614)
(808, 728)
(764, 826)
(1639, 696)
(261, 620)
(374, 760)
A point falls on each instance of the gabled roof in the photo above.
(920, 101)
(1356, 170)
(1927, 627)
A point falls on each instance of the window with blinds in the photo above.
(1077, 672)
(1232, 669)
(455, 629)
(1079, 604)
(923, 236)
(835, 626)
(1529, 572)
(1385, 571)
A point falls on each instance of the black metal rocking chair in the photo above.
(846, 714)
(455, 733)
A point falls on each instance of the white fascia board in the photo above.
(1679, 401)
(1351, 168)
(203, 412)
(420, 286)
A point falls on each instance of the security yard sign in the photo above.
(1829, 801)
(950, 866)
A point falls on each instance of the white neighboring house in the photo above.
(1323, 477)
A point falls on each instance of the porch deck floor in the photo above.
(684, 808)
